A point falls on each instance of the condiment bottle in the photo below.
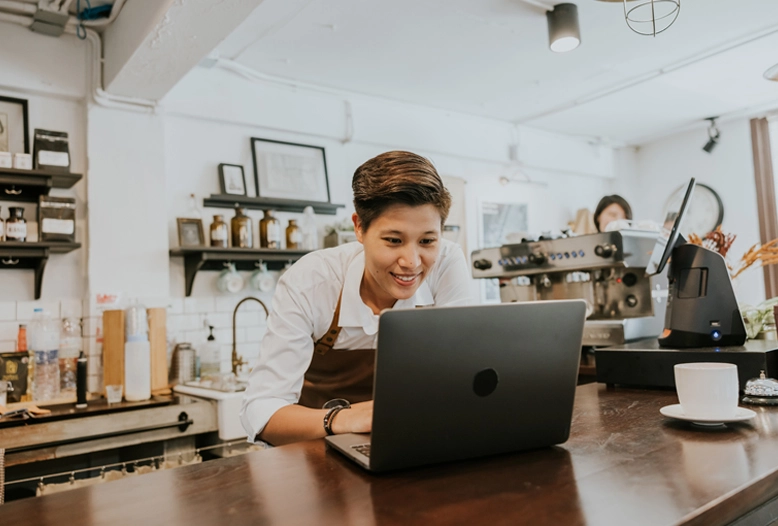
(294, 236)
(219, 232)
(242, 233)
(269, 231)
(16, 225)
(21, 339)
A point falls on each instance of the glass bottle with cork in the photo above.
(16, 225)
(269, 231)
(242, 232)
(220, 232)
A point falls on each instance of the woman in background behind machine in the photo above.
(611, 208)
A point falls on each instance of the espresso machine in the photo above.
(607, 270)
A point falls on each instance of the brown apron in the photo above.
(337, 373)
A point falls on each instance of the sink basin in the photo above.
(227, 407)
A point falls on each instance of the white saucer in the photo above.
(675, 411)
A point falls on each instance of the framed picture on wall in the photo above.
(290, 171)
(14, 127)
(190, 232)
(232, 179)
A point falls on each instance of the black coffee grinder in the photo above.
(701, 307)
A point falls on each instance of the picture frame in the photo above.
(190, 232)
(232, 179)
(286, 170)
(14, 125)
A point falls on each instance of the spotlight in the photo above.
(564, 34)
(713, 135)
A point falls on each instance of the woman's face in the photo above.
(612, 212)
(401, 245)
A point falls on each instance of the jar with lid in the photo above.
(269, 231)
(16, 225)
(242, 232)
(220, 232)
(294, 236)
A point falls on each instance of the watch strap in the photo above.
(330, 416)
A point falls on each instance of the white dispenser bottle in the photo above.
(137, 355)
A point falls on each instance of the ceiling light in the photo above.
(713, 135)
(772, 73)
(564, 34)
(650, 17)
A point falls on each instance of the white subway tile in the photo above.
(71, 308)
(25, 309)
(199, 305)
(196, 338)
(94, 365)
(7, 310)
(94, 383)
(9, 330)
(250, 319)
(220, 320)
(225, 335)
(93, 347)
(154, 302)
(92, 326)
(248, 350)
(255, 334)
(7, 345)
(175, 306)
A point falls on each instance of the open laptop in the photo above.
(460, 382)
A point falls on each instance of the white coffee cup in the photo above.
(707, 390)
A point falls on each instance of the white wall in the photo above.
(664, 165)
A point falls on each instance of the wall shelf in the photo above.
(22, 255)
(267, 203)
(27, 185)
(213, 258)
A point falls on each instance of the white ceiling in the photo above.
(491, 58)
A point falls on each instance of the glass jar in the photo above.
(269, 231)
(294, 236)
(220, 232)
(16, 225)
(242, 233)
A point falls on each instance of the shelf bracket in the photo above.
(192, 263)
(40, 266)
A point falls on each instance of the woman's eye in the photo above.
(428, 241)
(393, 240)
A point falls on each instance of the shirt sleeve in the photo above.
(452, 286)
(286, 352)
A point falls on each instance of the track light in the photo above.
(713, 135)
(564, 34)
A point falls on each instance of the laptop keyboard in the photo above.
(362, 448)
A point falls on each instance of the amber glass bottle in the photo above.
(269, 231)
(242, 233)
(294, 236)
(220, 232)
(16, 225)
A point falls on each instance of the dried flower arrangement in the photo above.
(720, 242)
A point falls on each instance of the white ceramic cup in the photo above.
(707, 390)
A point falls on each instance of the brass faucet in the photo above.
(237, 361)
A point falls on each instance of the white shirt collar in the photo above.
(354, 312)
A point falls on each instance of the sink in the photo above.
(227, 406)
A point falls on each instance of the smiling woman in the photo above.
(320, 342)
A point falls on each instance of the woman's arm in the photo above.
(295, 422)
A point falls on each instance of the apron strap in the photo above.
(325, 343)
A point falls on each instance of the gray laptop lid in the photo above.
(460, 382)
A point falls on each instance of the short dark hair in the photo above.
(608, 200)
(397, 177)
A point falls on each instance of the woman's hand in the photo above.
(357, 419)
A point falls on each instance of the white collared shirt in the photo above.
(303, 306)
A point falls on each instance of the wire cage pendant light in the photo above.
(651, 17)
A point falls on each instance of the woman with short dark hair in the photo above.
(611, 208)
(322, 332)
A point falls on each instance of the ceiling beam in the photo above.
(154, 43)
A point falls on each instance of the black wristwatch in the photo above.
(335, 406)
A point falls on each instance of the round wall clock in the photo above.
(705, 213)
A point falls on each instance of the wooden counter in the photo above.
(625, 464)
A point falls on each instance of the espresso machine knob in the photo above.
(537, 258)
(482, 264)
(604, 251)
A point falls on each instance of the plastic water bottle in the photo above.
(43, 336)
(69, 350)
(137, 354)
(308, 227)
(210, 358)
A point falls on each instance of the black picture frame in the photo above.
(188, 228)
(9, 126)
(287, 170)
(227, 176)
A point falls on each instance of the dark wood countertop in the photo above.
(624, 464)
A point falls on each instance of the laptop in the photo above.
(454, 383)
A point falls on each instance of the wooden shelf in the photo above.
(27, 185)
(266, 203)
(34, 256)
(212, 258)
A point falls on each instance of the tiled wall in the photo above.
(187, 321)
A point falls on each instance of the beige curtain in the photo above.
(765, 196)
